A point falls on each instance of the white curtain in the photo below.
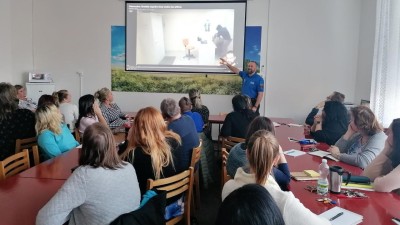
(385, 85)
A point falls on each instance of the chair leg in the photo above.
(197, 193)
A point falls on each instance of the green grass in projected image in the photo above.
(220, 84)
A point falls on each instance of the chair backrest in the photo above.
(25, 143)
(77, 135)
(14, 164)
(31, 145)
(196, 155)
(181, 183)
(229, 142)
(225, 177)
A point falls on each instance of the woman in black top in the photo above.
(236, 122)
(14, 123)
(332, 124)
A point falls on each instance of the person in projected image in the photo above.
(221, 39)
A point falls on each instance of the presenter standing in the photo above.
(253, 84)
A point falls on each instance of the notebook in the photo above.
(323, 154)
(364, 187)
(305, 175)
(346, 218)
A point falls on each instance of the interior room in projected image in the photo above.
(187, 37)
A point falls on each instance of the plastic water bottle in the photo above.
(323, 183)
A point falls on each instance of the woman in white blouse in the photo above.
(67, 109)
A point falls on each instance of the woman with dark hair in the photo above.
(89, 113)
(236, 122)
(67, 109)
(46, 100)
(332, 124)
(335, 96)
(15, 123)
(263, 153)
(99, 190)
(363, 140)
(251, 204)
(150, 147)
(384, 170)
(237, 156)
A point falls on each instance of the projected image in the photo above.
(182, 37)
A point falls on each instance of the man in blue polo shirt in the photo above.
(253, 84)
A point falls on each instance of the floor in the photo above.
(210, 200)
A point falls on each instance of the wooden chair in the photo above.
(224, 174)
(77, 135)
(31, 145)
(229, 142)
(14, 164)
(179, 184)
(196, 185)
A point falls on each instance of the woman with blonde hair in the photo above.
(363, 140)
(67, 109)
(263, 154)
(150, 146)
(111, 112)
(54, 137)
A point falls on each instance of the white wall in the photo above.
(365, 50)
(5, 42)
(313, 49)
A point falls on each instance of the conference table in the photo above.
(378, 208)
(22, 195)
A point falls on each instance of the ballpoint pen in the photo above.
(336, 216)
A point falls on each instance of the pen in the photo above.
(396, 219)
(336, 216)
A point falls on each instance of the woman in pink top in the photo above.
(384, 170)
(89, 113)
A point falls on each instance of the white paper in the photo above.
(348, 217)
(80, 146)
(293, 152)
(323, 154)
(276, 124)
(294, 125)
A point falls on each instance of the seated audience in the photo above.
(185, 128)
(89, 113)
(99, 190)
(332, 124)
(251, 204)
(23, 101)
(67, 109)
(54, 137)
(384, 170)
(363, 140)
(197, 106)
(236, 122)
(186, 109)
(46, 100)
(237, 156)
(111, 112)
(207, 146)
(15, 123)
(263, 153)
(335, 96)
(150, 147)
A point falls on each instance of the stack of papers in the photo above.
(340, 216)
(323, 154)
(305, 175)
(364, 187)
(293, 152)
